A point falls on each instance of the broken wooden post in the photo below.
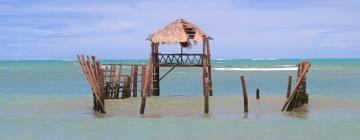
(291, 102)
(243, 82)
(289, 86)
(257, 93)
(91, 72)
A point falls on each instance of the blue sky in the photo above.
(59, 29)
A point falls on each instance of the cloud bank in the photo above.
(241, 29)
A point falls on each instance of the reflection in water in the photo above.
(246, 115)
(301, 112)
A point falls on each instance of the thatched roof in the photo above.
(179, 31)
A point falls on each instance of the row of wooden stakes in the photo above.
(118, 84)
(108, 81)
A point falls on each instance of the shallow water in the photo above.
(51, 100)
(180, 118)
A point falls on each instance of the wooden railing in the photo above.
(190, 59)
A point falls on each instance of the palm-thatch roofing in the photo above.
(179, 31)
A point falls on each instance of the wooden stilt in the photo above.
(209, 66)
(144, 89)
(156, 70)
(206, 97)
(204, 65)
(243, 82)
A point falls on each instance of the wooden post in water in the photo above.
(204, 65)
(131, 78)
(142, 78)
(107, 84)
(112, 79)
(126, 87)
(91, 72)
(291, 101)
(243, 82)
(257, 93)
(155, 75)
(206, 97)
(206, 41)
(289, 86)
(135, 81)
(144, 89)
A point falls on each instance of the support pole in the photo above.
(206, 97)
(209, 65)
(204, 63)
(243, 82)
(156, 69)
(144, 88)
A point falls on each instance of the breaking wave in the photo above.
(257, 69)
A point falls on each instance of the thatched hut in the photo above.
(185, 34)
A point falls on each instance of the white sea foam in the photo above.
(257, 69)
(264, 59)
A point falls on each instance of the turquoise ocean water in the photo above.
(51, 100)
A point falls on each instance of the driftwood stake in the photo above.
(244, 94)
